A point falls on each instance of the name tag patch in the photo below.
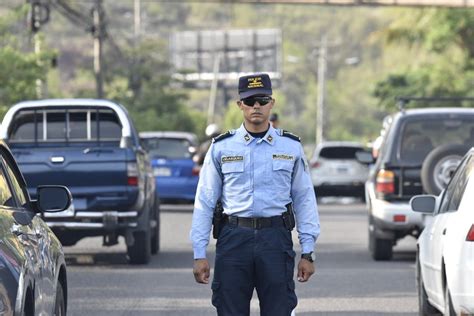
(283, 157)
(232, 158)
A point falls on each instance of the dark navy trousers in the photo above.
(248, 258)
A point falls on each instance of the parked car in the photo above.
(335, 171)
(445, 256)
(175, 171)
(421, 148)
(92, 147)
(33, 278)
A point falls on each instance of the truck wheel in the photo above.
(380, 249)
(140, 251)
(439, 166)
(424, 306)
(155, 236)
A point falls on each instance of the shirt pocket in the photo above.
(234, 173)
(282, 171)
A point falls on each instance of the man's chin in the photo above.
(257, 120)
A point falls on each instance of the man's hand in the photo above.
(305, 270)
(201, 271)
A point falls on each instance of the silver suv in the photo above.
(335, 171)
(420, 150)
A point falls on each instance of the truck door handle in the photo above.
(57, 159)
(97, 150)
(444, 231)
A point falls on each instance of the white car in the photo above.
(335, 170)
(445, 259)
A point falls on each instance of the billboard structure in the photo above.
(225, 55)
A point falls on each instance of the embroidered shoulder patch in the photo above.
(283, 157)
(223, 136)
(225, 159)
(290, 135)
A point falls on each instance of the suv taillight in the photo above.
(196, 170)
(385, 182)
(132, 174)
(470, 234)
(315, 164)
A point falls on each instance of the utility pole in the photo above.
(134, 69)
(212, 97)
(39, 15)
(98, 28)
(137, 19)
(322, 65)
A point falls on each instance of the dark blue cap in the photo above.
(254, 85)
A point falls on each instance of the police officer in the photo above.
(274, 120)
(256, 172)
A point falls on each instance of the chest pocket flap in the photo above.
(283, 165)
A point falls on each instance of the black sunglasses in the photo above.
(262, 100)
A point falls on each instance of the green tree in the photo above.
(20, 69)
(444, 41)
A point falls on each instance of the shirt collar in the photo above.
(269, 137)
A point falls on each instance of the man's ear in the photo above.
(239, 104)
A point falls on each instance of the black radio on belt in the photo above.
(218, 220)
(289, 217)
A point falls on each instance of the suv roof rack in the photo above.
(403, 101)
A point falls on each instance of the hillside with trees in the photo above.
(374, 55)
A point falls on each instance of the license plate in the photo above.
(162, 172)
(342, 170)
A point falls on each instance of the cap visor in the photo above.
(250, 93)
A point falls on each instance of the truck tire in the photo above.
(380, 249)
(140, 251)
(439, 165)
(155, 236)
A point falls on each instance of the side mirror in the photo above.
(53, 198)
(365, 157)
(423, 204)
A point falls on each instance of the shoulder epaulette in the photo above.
(223, 136)
(290, 135)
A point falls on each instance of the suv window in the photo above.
(339, 152)
(65, 125)
(173, 148)
(420, 136)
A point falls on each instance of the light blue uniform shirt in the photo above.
(255, 177)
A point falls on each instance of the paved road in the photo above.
(347, 281)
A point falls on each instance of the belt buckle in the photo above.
(256, 224)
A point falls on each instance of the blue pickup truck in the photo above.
(92, 147)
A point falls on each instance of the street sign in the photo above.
(239, 52)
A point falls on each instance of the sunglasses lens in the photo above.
(252, 100)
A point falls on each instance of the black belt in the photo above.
(255, 222)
